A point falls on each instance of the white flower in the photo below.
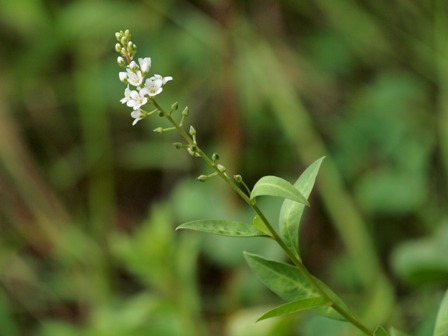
(138, 115)
(134, 77)
(153, 85)
(145, 64)
(134, 99)
(127, 95)
(123, 77)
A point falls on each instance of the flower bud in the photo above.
(178, 145)
(118, 47)
(202, 178)
(215, 157)
(121, 62)
(174, 106)
(185, 112)
(192, 131)
(118, 35)
(124, 40)
(221, 168)
(238, 178)
(158, 130)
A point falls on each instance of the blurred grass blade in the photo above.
(441, 327)
(291, 212)
(380, 331)
(223, 228)
(276, 186)
(294, 307)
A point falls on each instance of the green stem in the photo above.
(294, 257)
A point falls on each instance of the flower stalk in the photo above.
(142, 90)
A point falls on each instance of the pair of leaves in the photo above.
(296, 198)
(290, 284)
(291, 212)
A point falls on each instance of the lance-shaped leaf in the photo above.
(294, 307)
(380, 331)
(441, 327)
(289, 283)
(223, 228)
(291, 212)
(276, 186)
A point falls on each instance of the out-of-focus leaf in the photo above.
(441, 327)
(423, 260)
(380, 331)
(223, 228)
(276, 186)
(291, 212)
(294, 307)
(395, 332)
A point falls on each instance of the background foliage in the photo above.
(88, 204)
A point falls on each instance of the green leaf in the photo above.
(276, 186)
(291, 212)
(441, 327)
(294, 307)
(288, 282)
(380, 331)
(259, 225)
(223, 228)
(328, 311)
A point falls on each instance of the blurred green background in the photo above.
(88, 203)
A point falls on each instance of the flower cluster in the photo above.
(140, 90)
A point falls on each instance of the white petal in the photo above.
(123, 76)
(167, 79)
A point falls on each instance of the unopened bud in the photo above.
(238, 178)
(118, 35)
(158, 130)
(178, 145)
(118, 47)
(185, 112)
(174, 106)
(124, 40)
(192, 131)
(120, 61)
(221, 168)
(215, 157)
(202, 178)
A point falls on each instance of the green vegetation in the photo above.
(89, 204)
